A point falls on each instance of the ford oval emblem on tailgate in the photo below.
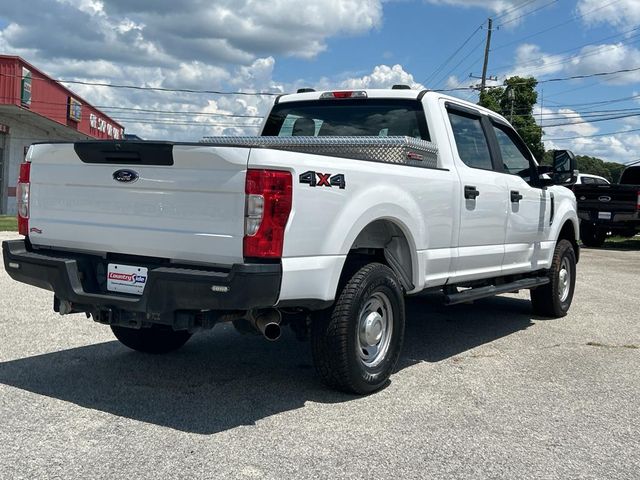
(604, 198)
(125, 176)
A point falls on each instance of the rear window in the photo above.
(631, 176)
(332, 118)
(586, 180)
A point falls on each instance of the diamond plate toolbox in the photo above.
(409, 151)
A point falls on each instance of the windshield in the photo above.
(331, 118)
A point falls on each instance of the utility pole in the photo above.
(541, 107)
(511, 96)
(487, 49)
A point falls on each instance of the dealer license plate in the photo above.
(604, 215)
(126, 279)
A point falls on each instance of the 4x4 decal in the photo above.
(317, 179)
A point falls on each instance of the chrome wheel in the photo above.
(375, 328)
(564, 280)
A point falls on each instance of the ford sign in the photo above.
(125, 176)
(604, 198)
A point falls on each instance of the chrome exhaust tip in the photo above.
(268, 323)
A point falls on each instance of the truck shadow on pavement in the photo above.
(221, 379)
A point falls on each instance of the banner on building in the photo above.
(25, 96)
(74, 111)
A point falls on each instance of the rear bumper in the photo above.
(169, 289)
(619, 220)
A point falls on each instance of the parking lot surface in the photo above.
(483, 390)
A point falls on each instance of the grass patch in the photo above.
(622, 243)
(8, 224)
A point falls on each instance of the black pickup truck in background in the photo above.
(609, 209)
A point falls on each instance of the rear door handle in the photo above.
(515, 196)
(470, 192)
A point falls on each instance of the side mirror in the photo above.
(565, 168)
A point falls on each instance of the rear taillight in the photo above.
(22, 195)
(638, 202)
(268, 204)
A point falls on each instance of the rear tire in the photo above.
(592, 236)
(554, 299)
(156, 340)
(356, 344)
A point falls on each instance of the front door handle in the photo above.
(515, 196)
(470, 192)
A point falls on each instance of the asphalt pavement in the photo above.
(483, 390)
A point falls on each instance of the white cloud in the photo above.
(621, 13)
(202, 45)
(575, 124)
(531, 61)
(133, 32)
(577, 135)
(607, 58)
(610, 148)
(383, 76)
(256, 77)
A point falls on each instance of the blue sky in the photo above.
(283, 44)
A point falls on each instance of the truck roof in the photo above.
(387, 93)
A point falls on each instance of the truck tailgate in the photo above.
(177, 201)
(614, 197)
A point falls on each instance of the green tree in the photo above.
(515, 102)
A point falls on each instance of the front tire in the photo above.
(554, 299)
(158, 339)
(356, 344)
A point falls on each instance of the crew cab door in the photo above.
(484, 197)
(528, 204)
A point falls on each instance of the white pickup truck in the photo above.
(346, 203)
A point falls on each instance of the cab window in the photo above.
(473, 148)
(516, 159)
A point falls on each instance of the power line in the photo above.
(155, 89)
(471, 52)
(145, 110)
(589, 85)
(527, 13)
(550, 80)
(576, 117)
(174, 90)
(591, 53)
(193, 124)
(592, 136)
(595, 120)
(452, 56)
(556, 26)
(514, 9)
(565, 59)
(601, 102)
(180, 112)
(575, 48)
